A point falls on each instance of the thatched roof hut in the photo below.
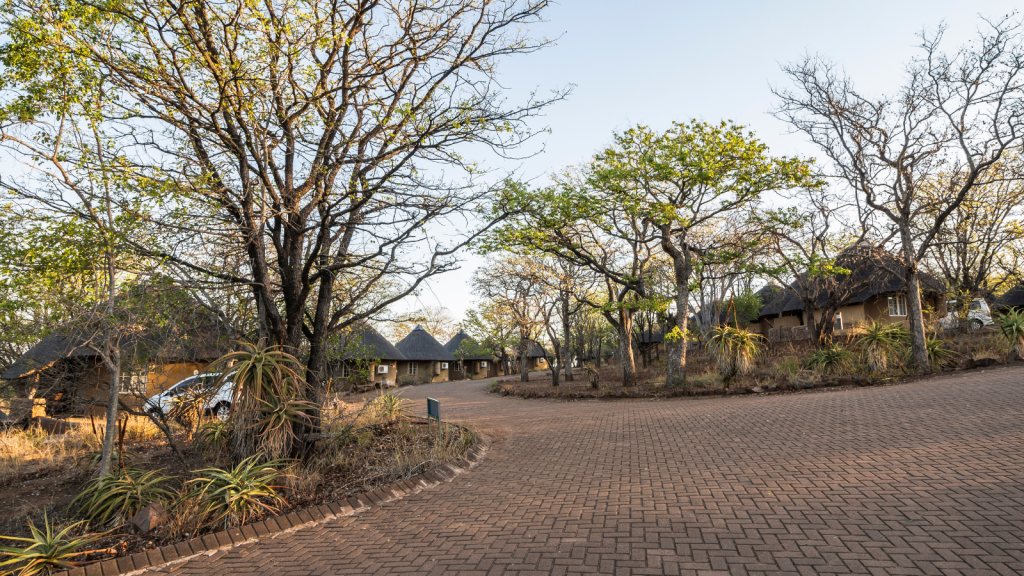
(365, 343)
(204, 344)
(476, 352)
(420, 346)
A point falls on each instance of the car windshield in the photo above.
(975, 305)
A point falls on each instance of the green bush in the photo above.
(237, 495)
(121, 494)
(47, 551)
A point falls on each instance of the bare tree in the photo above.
(956, 115)
(975, 242)
(509, 284)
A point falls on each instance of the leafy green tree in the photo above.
(322, 142)
(682, 180)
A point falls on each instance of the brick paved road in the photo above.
(924, 478)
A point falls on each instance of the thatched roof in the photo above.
(1012, 298)
(420, 346)
(365, 343)
(453, 345)
(166, 347)
(777, 300)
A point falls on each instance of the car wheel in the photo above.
(222, 411)
(156, 413)
(977, 324)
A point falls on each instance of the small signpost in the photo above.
(434, 411)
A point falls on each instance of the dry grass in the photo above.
(32, 449)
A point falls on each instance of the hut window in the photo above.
(346, 370)
(837, 324)
(412, 368)
(897, 305)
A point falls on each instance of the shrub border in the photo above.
(845, 382)
(274, 526)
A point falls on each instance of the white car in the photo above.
(978, 315)
(217, 402)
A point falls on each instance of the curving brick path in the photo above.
(923, 478)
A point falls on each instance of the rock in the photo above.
(757, 390)
(982, 362)
(773, 388)
(808, 385)
(846, 382)
(149, 517)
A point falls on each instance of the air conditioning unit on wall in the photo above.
(444, 365)
(382, 369)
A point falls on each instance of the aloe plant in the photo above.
(120, 495)
(829, 359)
(269, 400)
(391, 406)
(237, 495)
(938, 353)
(734, 350)
(1011, 325)
(882, 342)
(48, 549)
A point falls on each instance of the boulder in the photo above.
(757, 390)
(150, 517)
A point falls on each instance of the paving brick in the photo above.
(919, 478)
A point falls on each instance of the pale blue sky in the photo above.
(651, 62)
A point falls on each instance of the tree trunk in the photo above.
(113, 363)
(567, 335)
(628, 364)
(915, 315)
(524, 360)
(676, 369)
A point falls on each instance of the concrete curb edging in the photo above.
(275, 526)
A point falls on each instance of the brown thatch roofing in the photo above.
(453, 345)
(420, 346)
(60, 346)
(365, 343)
(1012, 298)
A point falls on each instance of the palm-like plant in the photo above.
(269, 400)
(48, 549)
(391, 406)
(237, 495)
(829, 359)
(734, 350)
(938, 353)
(120, 496)
(881, 342)
(1011, 325)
